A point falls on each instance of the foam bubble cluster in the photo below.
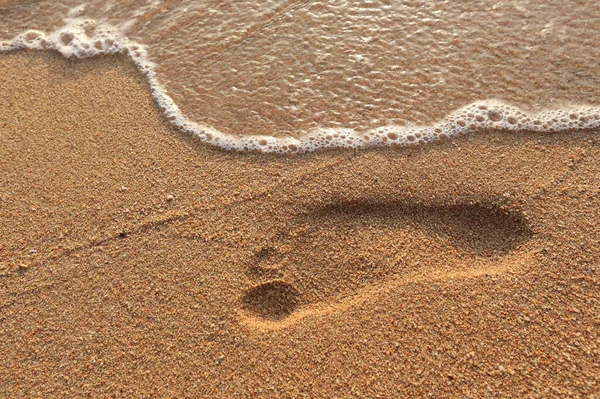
(83, 37)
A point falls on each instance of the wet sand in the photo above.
(136, 262)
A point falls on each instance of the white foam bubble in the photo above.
(83, 37)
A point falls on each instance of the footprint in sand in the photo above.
(338, 252)
(273, 300)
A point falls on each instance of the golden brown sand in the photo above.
(135, 262)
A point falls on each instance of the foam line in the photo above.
(83, 38)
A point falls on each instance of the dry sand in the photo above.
(136, 262)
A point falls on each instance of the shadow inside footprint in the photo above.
(481, 229)
(273, 300)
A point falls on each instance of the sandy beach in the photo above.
(137, 262)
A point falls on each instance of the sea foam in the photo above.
(83, 38)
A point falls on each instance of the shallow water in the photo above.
(300, 75)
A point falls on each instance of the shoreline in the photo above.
(468, 119)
